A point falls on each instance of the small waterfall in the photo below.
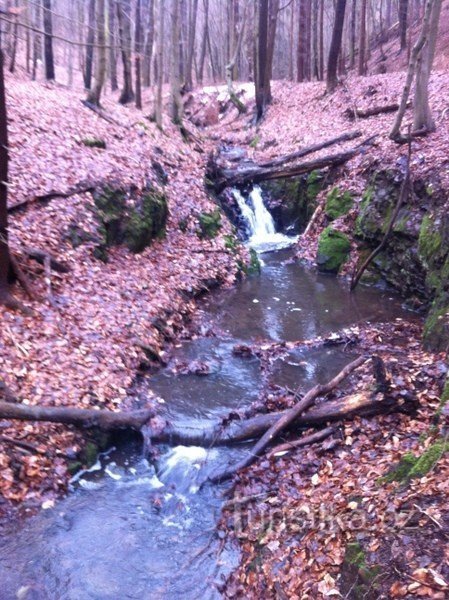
(259, 222)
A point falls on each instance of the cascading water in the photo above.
(259, 223)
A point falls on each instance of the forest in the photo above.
(224, 299)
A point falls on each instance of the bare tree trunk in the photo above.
(138, 58)
(204, 42)
(100, 67)
(15, 40)
(422, 115)
(112, 42)
(353, 37)
(37, 49)
(416, 51)
(315, 56)
(124, 21)
(4, 248)
(302, 41)
(48, 41)
(188, 79)
(403, 14)
(160, 64)
(262, 94)
(321, 40)
(90, 40)
(149, 43)
(362, 44)
(335, 48)
(175, 74)
(230, 66)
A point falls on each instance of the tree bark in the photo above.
(80, 417)
(90, 40)
(188, 79)
(175, 74)
(422, 116)
(4, 248)
(100, 68)
(403, 14)
(48, 41)
(112, 35)
(335, 48)
(138, 57)
(160, 64)
(362, 43)
(395, 133)
(124, 20)
(149, 43)
(203, 42)
(262, 93)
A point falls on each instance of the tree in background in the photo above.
(403, 17)
(124, 21)
(335, 47)
(90, 40)
(175, 71)
(48, 41)
(138, 49)
(266, 36)
(100, 67)
(160, 64)
(422, 53)
(4, 247)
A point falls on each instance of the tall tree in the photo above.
(148, 48)
(263, 92)
(90, 41)
(112, 36)
(395, 133)
(188, 79)
(160, 64)
(124, 21)
(100, 67)
(403, 17)
(335, 47)
(303, 54)
(48, 41)
(4, 248)
(362, 43)
(138, 57)
(204, 38)
(175, 71)
(422, 115)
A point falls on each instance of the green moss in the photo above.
(411, 467)
(429, 243)
(314, 184)
(183, 224)
(358, 579)
(355, 555)
(254, 263)
(210, 224)
(333, 250)
(110, 203)
(231, 242)
(338, 203)
(147, 221)
(254, 143)
(436, 328)
(92, 142)
(74, 466)
(360, 223)
(401, 471)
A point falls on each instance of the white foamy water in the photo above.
(261, 228)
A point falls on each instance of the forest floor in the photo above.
(80, 348)
(314, 523)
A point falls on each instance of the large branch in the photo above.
(350, 135)
(286, 419)
(80, 417)
(81, 188)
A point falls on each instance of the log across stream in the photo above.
(132, 528)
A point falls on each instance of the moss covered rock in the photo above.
(338, 203)
(209, 224)
(333, 250)
(147, 221)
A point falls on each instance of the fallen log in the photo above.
(80, 417)
(240, 176)
(351, 135)
(286, 419)
(359, 113)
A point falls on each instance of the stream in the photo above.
(137, 529)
